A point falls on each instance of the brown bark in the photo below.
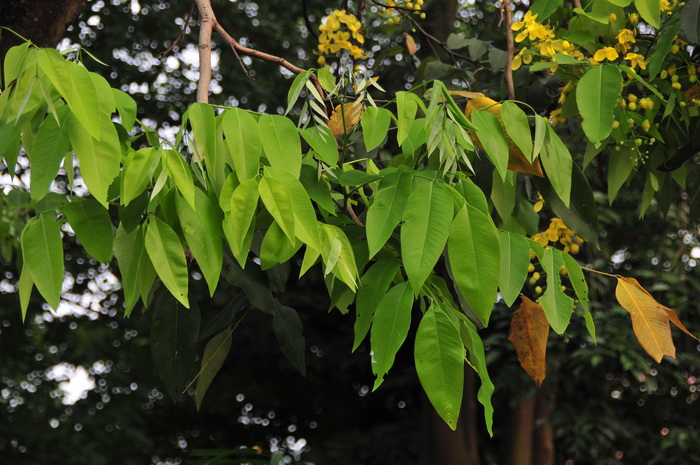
(44, 22)
(520, 433)
(543, 438)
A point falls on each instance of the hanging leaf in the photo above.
(578, 282)
(165, 250)
(180, 171)
(288, 330)
(558, 165)
(51, 145)
(345, 117)
(427, 219)
(673, 317)
(387, 209)
(558, 307)
(243, 205)
(93, 226)
(276, 199)
(281, 142)
(529, 331)
(203, 122)
(139, 168)
(515, 259)
(596, 97)
(42, 253)
(476, 356)
(491, 139)
(389, 329)
(650, 320)
(174, 331)
(375, 126)
(439, 357)
(128, 248)
(406, 109)
(244, 143)
(215, 354)
(373, 286)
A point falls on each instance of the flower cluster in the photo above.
(337, 32)
(542, 42)
(558, 231)
(412, 6)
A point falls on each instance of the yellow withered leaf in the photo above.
(673, 316)
(529, 331)
(516, 159)
(650, 320)
(353, 114)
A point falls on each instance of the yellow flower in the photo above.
(527, 21)
(624, 38)
(636, 60)
(604, 53)
(539, 204)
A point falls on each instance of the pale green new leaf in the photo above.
(596, 97)
(345, 268)
(373, 286)
(390, 325)
(515, 259)
(180, 171)
(281, 142)
(387, 208)
(126, 106)
(243, 140)
(375, 126)
(42, 251)
(650, 11)
(215, 354)
(165, 250)
(427, 220)
(474, 254)
(93, 226)
(138, 171)
(557, 306)
(439, 357)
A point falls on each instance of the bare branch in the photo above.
(183, 33)
(511, 50)
(206, 24)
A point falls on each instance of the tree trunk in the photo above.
(44, 22)
(543, 440)
(520, 433)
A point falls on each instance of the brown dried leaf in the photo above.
(650, 320)
(673, 316)
(353, 114)
(410, 44)
(516, 159)
(529, 331)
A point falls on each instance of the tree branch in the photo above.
(183, 33)
(511, 50)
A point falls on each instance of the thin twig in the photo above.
(183, 33)
(511, 50)
(309, 26)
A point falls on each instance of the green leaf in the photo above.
(476, 357)
(473, 251)
(278, 202)
(664, 43)
(386, 211)
(126, 106)
(620, 167)
(244, 203)
(596, 97)
(582, 216)
(25, 287)
(243, 141)
(105, 97)
(690, 22)
(406, 108)
(174, 333)
(215, 354)
(74, 84)
(557, 306)
(375, 126)
(51, 145)
(202, 229)
(276, 248)
(317, 188)
(280, 140)
(16, 60)
(390, 325)
(305, 223)
(558, 165)
(650, 11)
(296, 88)
(515, 259)
(439, 357)
(491, 136)
(93, 226)
(203, 122)
(517, 127)
(138, 171)
(427, 219)
(324, 144)
(128, 248)
(473, 195)
(544, 8)
(99, 159)
(180, 171)
(578, 282)
(42, 252)
(503, 194)
(373, 286)
(165, 250)
(289, 333)
(345, 268)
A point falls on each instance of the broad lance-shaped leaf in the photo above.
(578, 282)
(215, 354)
(243, 140)
(439, 357)
(138, 171)
(165, 251)
(558, 307)
(324, 144)
(202, 229)
(650, 321)
(289, 333)
(281, 142)
(476, 357)
(386, 211)
(51, 145)
(93, 226)
(373, 285)
(128, 248)
(650, 11)
(494, 142)
(375, 125)
(203, 122)
(390, 325)
(181, 174)
(596, 97)
(515, 259)
(345, 267)
(174, 333)
(244, 204)
(42, 251)
(424, 233)
(276, 199)
(474, 254)
(406, 106)
(529, 331)
(558, 165)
